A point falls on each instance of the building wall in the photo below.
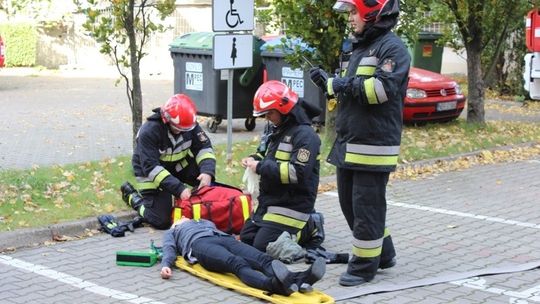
(454, 62)
(68, 47)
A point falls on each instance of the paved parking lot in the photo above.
(444, 227)
(49, 120)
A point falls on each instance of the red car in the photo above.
(1, 52)
(432, 97)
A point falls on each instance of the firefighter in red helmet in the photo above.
(171, 151)
(370, 93)
(288, 164)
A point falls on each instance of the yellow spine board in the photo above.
(230, 281)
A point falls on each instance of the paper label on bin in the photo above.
(288, 72)
(194, 67)
(536, 32)
(296, 84)
(194, 81)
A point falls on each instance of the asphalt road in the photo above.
(56, 120)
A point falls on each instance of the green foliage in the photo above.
(35, 8)
(20, 40)
(318, 25)
(414, 16)
(497, 26)
(123, 29)
(112, 26)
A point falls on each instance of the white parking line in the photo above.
(531, 294)
(76, 282)
(456, 213)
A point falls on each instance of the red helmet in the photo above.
(369, 10)
(274, 95)
(180, 113)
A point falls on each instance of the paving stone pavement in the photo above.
(452, 223)
(456, 222)
(52, 119)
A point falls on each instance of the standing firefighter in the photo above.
(370, 95)
(171, 150)
(288, 166)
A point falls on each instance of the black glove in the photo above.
(112, 226)
(109, 224)
(330, 257)
(319, 77)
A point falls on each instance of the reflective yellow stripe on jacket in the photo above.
(286, 216)
(153, 180)
(287, 172)
(203, 154)
(373, 87)
(177, 154)
(284, 151)
(371, 155)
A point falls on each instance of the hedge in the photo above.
(20, 43)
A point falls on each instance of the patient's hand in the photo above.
(166, 272)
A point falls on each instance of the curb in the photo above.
(33, 237)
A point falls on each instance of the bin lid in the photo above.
(282, 45)
(429, 36)
(194, 40)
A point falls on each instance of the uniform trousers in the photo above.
(224, 254)
(362, 196)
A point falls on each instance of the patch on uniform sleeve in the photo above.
(202, 137)
(388, 65)
(287, 139)
(303, 155)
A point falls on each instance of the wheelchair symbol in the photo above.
(232, 17)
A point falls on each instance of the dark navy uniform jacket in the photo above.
(289, 168)
(370, 97)
(165, 161)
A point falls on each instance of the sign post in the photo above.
(233, 50)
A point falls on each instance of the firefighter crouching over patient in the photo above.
(171, 152)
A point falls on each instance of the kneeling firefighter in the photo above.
(171, 151)
(288, 164)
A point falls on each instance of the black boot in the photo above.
(313, 233)
(318, 235)
(130, 196)
(283, 280)
(312, 275)
(359, 271)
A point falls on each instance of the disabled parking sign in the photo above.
(232, 15)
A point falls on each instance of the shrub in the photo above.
(20, 40)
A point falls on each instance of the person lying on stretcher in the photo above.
(201, 242)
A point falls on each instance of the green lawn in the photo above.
(45, 195)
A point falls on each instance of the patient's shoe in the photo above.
(283, 281)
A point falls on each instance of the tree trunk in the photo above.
(330, 126)
(136, 92)
(136, 112)
(475, 100)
